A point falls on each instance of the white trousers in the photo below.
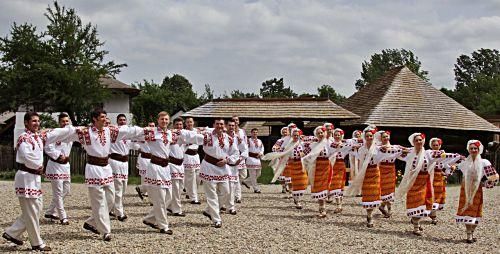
(175, 203)
(253, 175)
(160, 197)
(216, 193)
(191, 181)
(229, 202)
(243, 175)
(28, 221)
(101, 199)
(143, 187)
(60, 189)
(120, 188)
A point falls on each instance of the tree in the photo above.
(389, 58)
(275, 88)
(208, 95)
(237, 94)
(181, 94)
(328, 91)
(478, 81)
(57, 69)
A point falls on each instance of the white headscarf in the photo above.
(357, 183)
(309, 161)
(279, 160)
(282, 130)
(435, 139)
(411, 173)
(473, 172)
(355, 132)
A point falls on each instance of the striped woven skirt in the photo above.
(387, 181)
(474, 212)
(319, 189)
(370, 191)
(299, 177)
(419, 197)
(439, 186)
(338, 179)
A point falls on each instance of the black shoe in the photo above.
(245, 184)
(222, 209)
(257, 191)
(184, 190)
(187, 197)
(169, 210)
(90, 228)
(122, 218)
(181, 214)
(207, 215)
(232, 212)
(218, 224)
(12, 239)
(139, 192)
(38, 248)
(50, 216)
(238, 201)
(150, 224)
(106, 237)
(64, 222)
(166, 231)
(112, 215)
(196, 202)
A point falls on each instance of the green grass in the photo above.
(266, 174)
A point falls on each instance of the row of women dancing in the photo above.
(318, 161)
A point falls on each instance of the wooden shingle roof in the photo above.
(115, 84)
(400, 98)
(255, 108)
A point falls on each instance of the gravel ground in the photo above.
(266, 222)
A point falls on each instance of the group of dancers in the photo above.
(169, 162)
(318, 161)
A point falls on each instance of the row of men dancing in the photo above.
(164, 154)
(319, 161)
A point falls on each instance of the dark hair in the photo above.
(62, 115)
(189, 117)
(96, 113)
(218, 119)
(120, 115)
(231, 121)
(254, 129)
(178, 119)
(29, 115)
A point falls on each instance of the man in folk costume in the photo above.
(58, 173)
(118, 160)
(477, 173)
(417, 180)
(143, 162)
(158, 177)
(367, 182)
(27, 182)
(357, 138)
(220, 150)
(234, 176)
(96, 140)
(337, 180)
(191, 166)
(242, 167)
(176, 164)
(277, 148)
(255, 151)
(439, 183)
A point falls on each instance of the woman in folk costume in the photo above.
(277, 147)
(387, 171)
(337, 183)
(477, 173)
(416, 183)
(353, 161)
(440, 171)
(290, 159)
(367, 181)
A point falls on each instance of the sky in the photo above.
(239, 44)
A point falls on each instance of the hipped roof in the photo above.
(400, 98)
(255, 108)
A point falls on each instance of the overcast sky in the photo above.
(239, 44)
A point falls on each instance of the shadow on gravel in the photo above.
(193, 224)
(59, 236)
(77, 208)
(134, 230)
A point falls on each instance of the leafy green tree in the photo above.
(57, 69)
(327, 91)
(208, 95)
(380, 63)
(275, 88)
(237, 94)
(478, 81)
(181, 94)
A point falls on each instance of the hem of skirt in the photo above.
(158, 182)
(192, 166)
(99, 181)
(213, 178)
(371, 204)
(388, 198)
(319, 195)
(419, 212)
(336, 193)
(467, 220)
(288, 180)
(120, 176)
(437, 206)
(298, 193)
